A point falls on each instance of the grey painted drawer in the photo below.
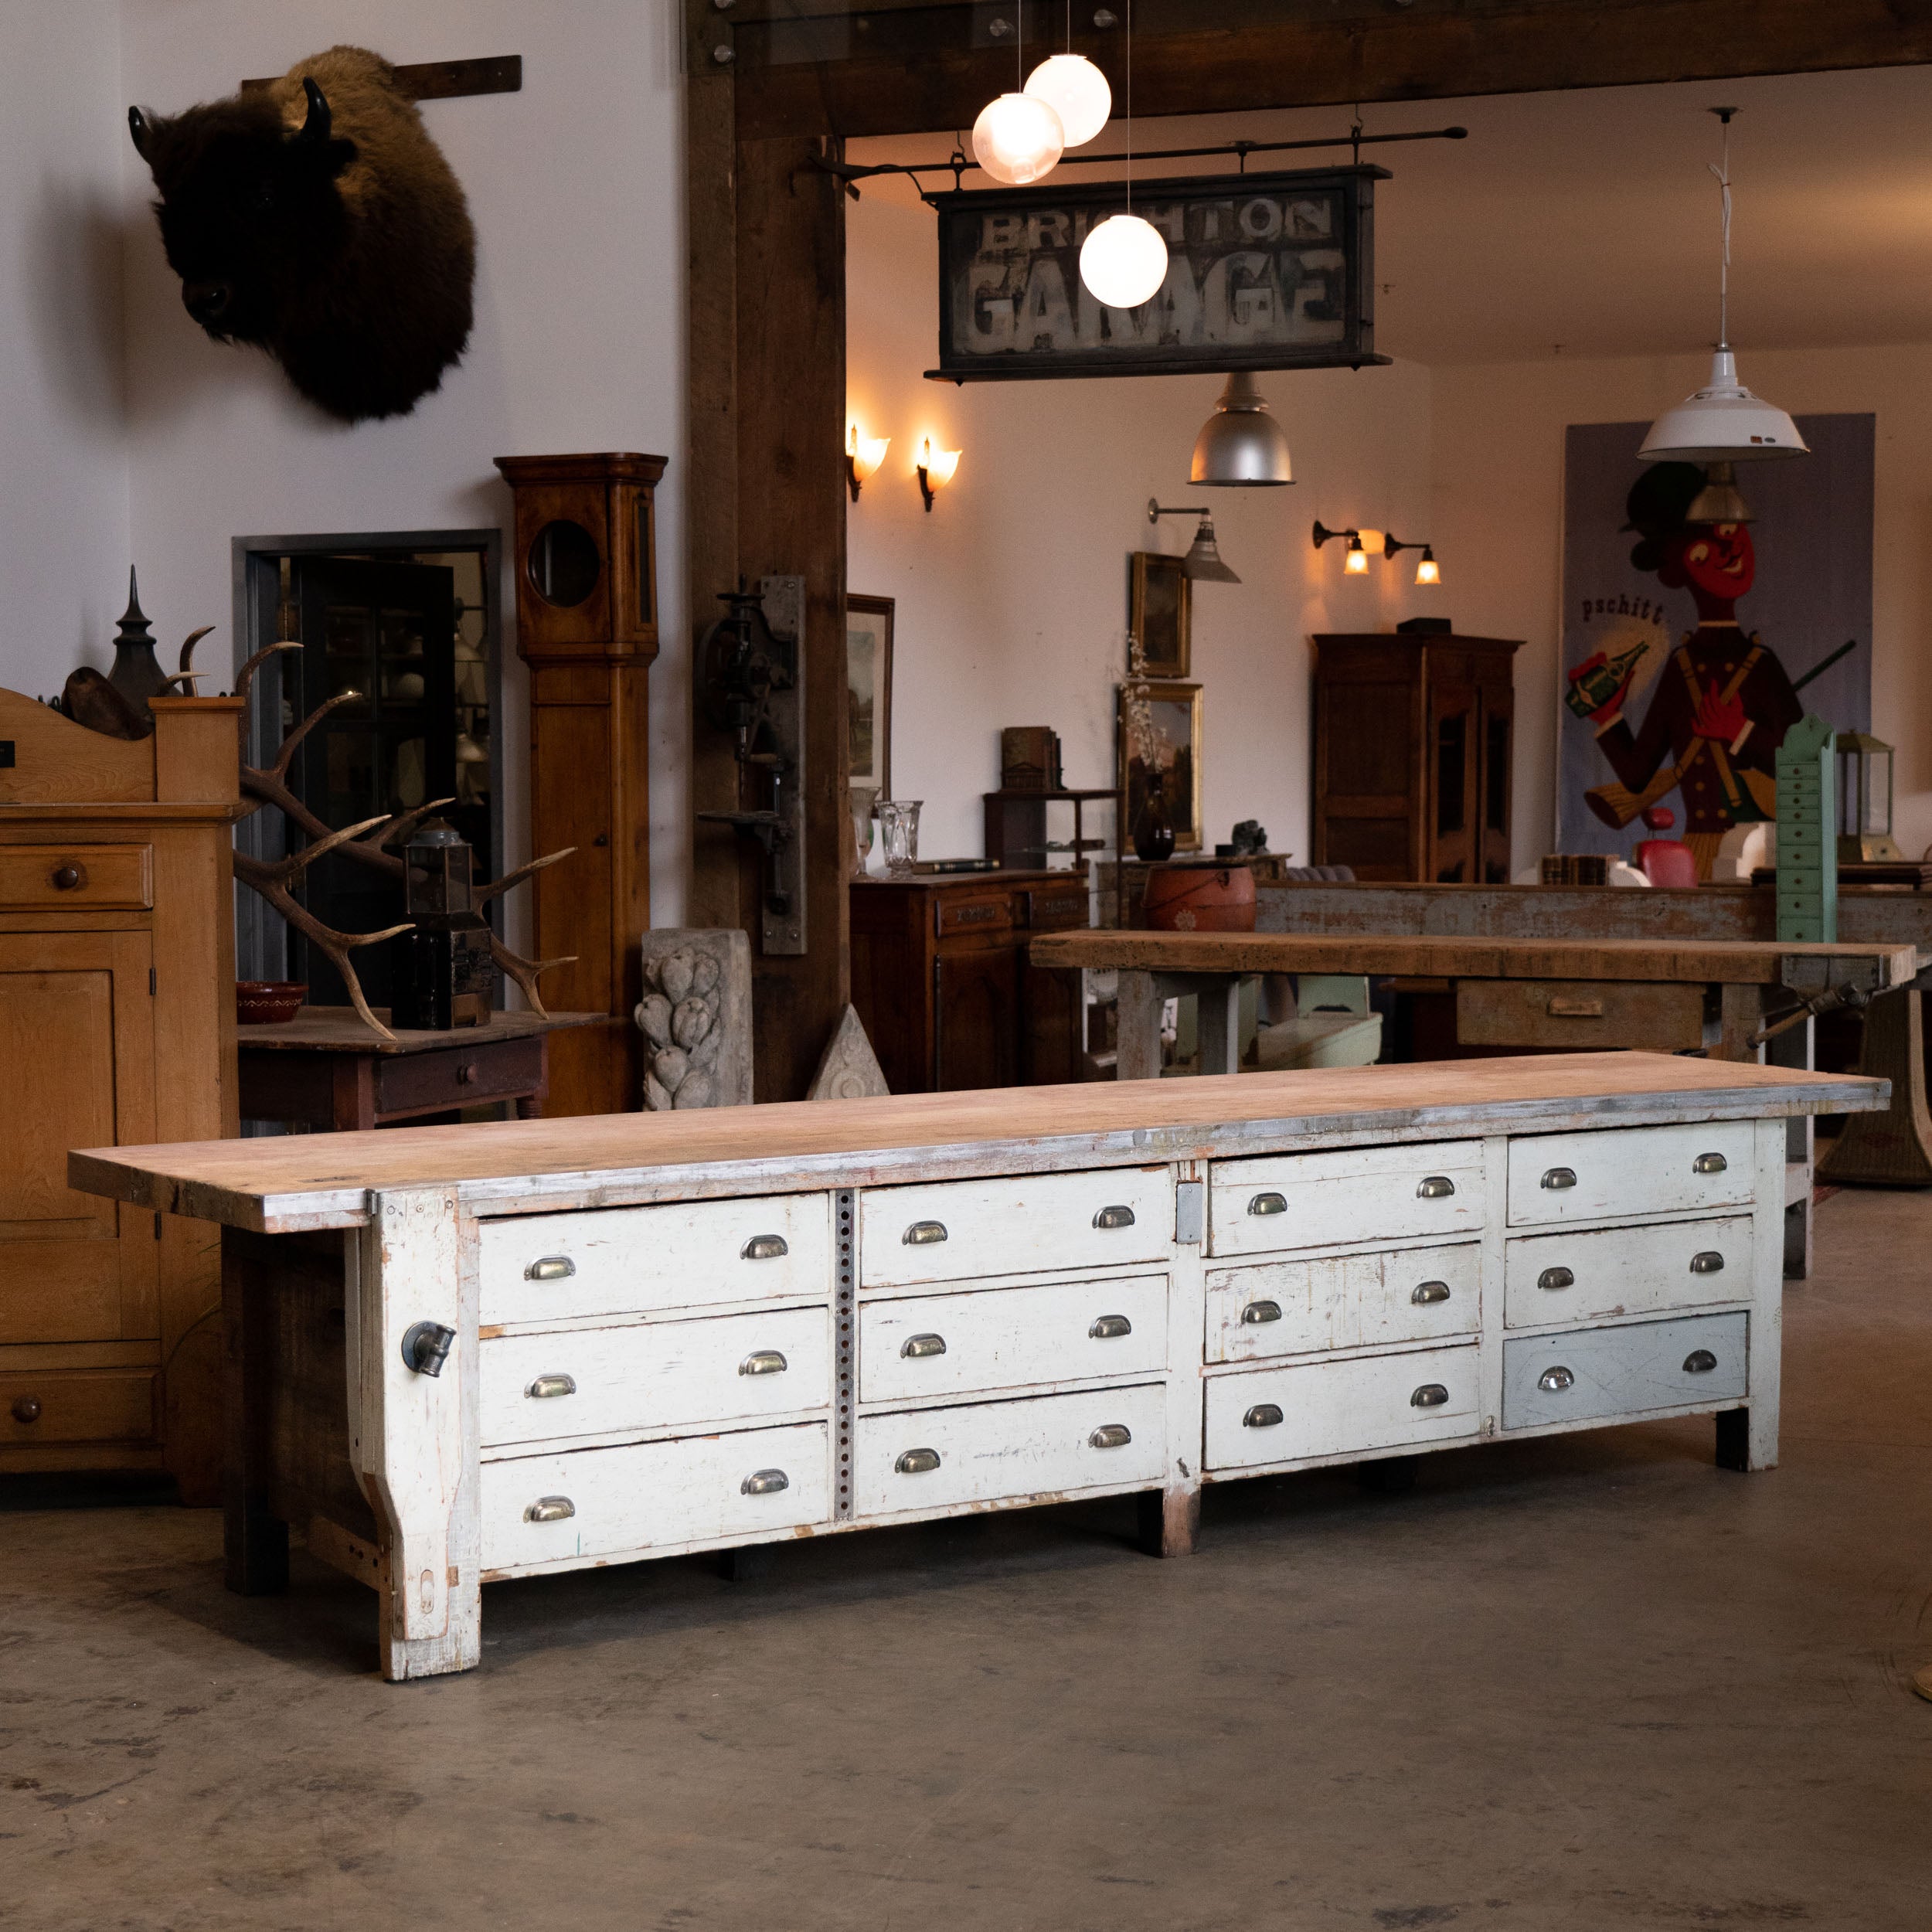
(1599, 1374)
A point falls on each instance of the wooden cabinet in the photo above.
(116, 1027)
(941, 978)
(1411, 769)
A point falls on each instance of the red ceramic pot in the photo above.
(268, 1002)
(1208, 898)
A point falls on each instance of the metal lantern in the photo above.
(1864, 799)
(445, 977)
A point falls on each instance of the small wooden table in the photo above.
(325, 1069)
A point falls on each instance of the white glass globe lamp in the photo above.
(1124, 261)
(1076, 91)
(1017, 139)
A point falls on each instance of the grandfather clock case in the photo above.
(587, 607)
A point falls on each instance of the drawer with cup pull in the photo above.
(1265, 1308)
(927, 1459)
(960, 1344)
(1601, 1374)
(50, 878)
(1357, 1194)
(1336, 1408)
(563, 1268)
(583, 1381)
(1632, 1170)
(954, 1230)
(749, 1483)
(1610, 1271)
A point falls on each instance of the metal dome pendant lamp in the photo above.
(1123, 260)
(1723, 421)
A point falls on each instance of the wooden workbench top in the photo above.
(1733, 962)
(324, 1180)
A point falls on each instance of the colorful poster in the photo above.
(1698, 627)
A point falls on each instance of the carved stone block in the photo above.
(849, 1069)
(695, 1016)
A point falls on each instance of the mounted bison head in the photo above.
(316, 219)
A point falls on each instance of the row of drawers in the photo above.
(625, 1260)
(753, 1484)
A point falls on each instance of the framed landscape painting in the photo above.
(868, 678)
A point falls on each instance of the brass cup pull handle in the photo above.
(1426, 1294)
(917, 1462)
(1114, 1217)
(1569, 1006)
(923, 1234)
(550, 1509)
(764, 1482)
(763, 1361)
(26, 1409)
(764, 1248)
(1111, 1327)
(552, 1268)
(1264, 1415)
(1431, 1395)
(1707, 1261)
(548, 1386)
(1556, 1278)
(1110, 1435)
(1710, 1164)
(65, 878)
(1269, 1204)
(919, 1346)
(1256, 1312)
(1555, 1381)
(1434, 1187)
(1699, 1362)
(1557, 1178)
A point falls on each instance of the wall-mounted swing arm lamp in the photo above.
(1357, 565)
(1202, 563)
(1427, 569)
(936, 468)
(863, 456)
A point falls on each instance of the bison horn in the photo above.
(137, 126)
(316, 127)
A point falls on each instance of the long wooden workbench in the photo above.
(463, 1354)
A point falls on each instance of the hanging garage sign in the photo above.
(1264, 271)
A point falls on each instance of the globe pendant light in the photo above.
(1076, 91)
(1123, 259)
(1018, 138)
(1723, 421)
(1241, 446)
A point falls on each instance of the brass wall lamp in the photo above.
(1427, 569)
(1357, 561)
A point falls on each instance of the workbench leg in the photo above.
(1138, 1049)
(1741, 1013)
(1747, 1437)
(1170, 1520)
(255, 1541)
(1797, 1048)
(353, 1092)
(1218, 1026)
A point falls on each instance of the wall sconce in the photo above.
(936, 468)
(1427, 569)
(1202, 563)
(863, 456)
(1357, 565)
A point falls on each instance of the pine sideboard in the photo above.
(459, 1355)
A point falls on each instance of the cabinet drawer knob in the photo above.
(1114, 1217)
(1556, 1278)
(764, 1482)
(1256, 1312)
(1110, 1435)
(1555, 1381)
(468, 1073)
(1269, 1204)
(553, 1267)
(919, 1346)
(550, 1509)
(764, 1248)
(1707, 1261)
(1557, 1178)
(763, 1361)
(545, 1386)
(1710, 1164)
(1434, 1187)
(64, 879)
(26, 1408)
(1111, 1327)
(1699, 1362)
(1431, 1395)
(1426, 1294)
(923, 1234)
(917, 1462)
(1264, 1415)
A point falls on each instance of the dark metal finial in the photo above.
(134, 626)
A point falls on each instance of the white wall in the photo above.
(63, 494)
(576, 186)
(1012, 593)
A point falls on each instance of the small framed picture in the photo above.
(1165, 737)
(868, 680)
(1160, 611)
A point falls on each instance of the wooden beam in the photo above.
(501, 74)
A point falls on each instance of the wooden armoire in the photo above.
(1413, 734)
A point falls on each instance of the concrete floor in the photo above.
(1593, 1682)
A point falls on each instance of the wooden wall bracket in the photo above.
(501, 74)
